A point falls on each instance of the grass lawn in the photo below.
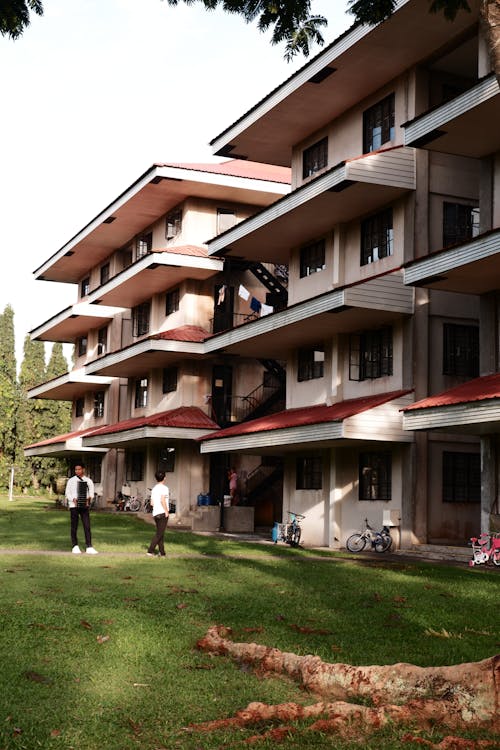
(100, 652)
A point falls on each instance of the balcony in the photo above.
(448, 128)
(152, 195)
(353, 188)
(69, 386)
(156, 351)
(379, 300)
(154, 273)
(471, 268)
(74, 322)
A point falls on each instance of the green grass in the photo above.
(100, 652)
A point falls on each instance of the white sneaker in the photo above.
(76, 550)
(91, 551)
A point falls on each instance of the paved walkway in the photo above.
(445, 555)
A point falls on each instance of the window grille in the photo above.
(461, 477)
(377, 237)
(315, 158)
(134, 466)
(370, 354)
(309, 473)
(81, 346)
(310, 363)
(141, 393)
(460, 350)
(140, 318)
(85, 287)
(375, 476)
(79, 407)
(378, 124)
(102, 341)
(460, 223)
(169, 380)
(173, 223)
(166, 459)
(312, 258)
(144, 244)
(99, 404)
(172, 301)
(104, 273)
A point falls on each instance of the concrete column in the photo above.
(333, 502)
(488, 484)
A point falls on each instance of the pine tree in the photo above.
(40, 418)
(58, 413)
(9, 396)
(30, 427)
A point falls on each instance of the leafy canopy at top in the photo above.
(291, 21)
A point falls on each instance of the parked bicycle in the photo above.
(485, 549)
(380, 541)
(126, 501)
(289, 532)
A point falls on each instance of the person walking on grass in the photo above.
(79, 493)
(159, 500)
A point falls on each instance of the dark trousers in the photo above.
(84, 514)
(161, 521)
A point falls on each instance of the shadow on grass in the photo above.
(102, 649)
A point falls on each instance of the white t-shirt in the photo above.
(159, 490)
(72, 490)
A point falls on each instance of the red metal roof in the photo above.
(240, 168)
(63, 438)
(478, 389)
(194, 334)
(196, 250)
(307, 415)
(185, 416)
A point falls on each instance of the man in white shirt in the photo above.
(79, 494)
(159, 500)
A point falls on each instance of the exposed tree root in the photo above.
(457, 697)
(452, 743)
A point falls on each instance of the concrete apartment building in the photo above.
(387, 331)
(143, 388)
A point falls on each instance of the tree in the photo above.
(293, 23)
(375, 11)
(15, 16)
(30, 414)
(39, 419)
(291, 20)
(9, 395)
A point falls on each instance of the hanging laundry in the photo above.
(243, 293)
(265, 310)
(255, 305)
(222, 294)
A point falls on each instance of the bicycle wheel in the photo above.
(355, 543)
(135, 504)
(383, 543)
(295, 540)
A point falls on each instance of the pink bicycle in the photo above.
(485, 547)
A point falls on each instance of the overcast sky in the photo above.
(96, 91)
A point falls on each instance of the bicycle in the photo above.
(380, 541)
(485, 548)
(290, 532)
(148, 506)
(132, 503)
